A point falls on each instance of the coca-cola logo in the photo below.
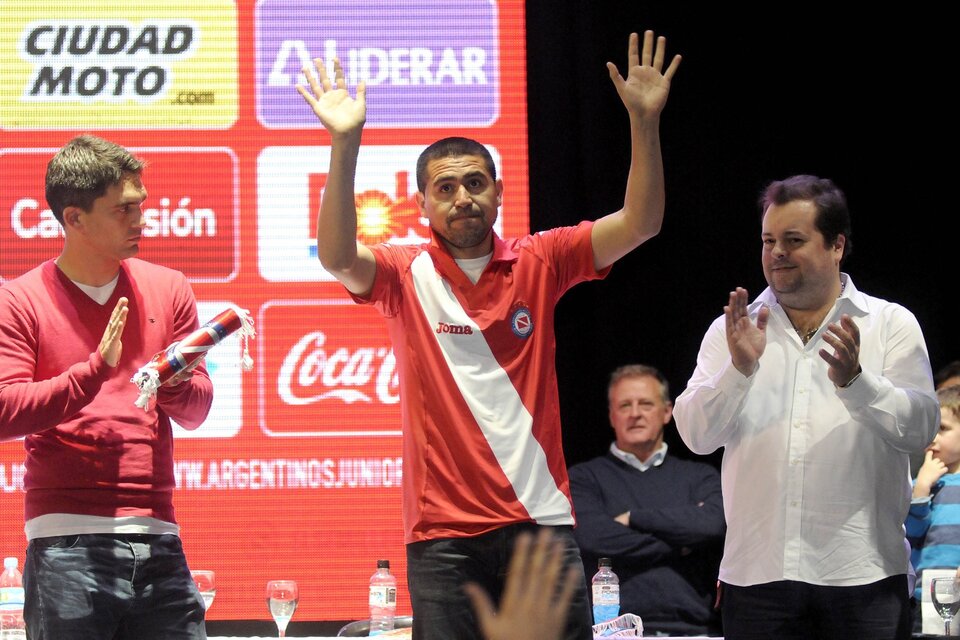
(359, 375)
(326, 369)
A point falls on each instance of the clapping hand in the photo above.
(745, 339)
(110, 344)
(844, 362)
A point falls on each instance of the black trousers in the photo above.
(789, 610)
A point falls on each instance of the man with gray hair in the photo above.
(658, 517)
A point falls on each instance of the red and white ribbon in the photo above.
(181, 356)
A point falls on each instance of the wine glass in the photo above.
(206, 585)
(945, 594)
(282, 598)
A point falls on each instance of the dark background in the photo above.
(760, 95)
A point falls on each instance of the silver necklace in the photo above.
(805, 336)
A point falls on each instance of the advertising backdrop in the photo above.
(296, 472)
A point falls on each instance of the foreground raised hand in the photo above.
(531, 608)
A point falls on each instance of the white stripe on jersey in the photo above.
(494, 402)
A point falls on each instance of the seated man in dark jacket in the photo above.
(659, 518)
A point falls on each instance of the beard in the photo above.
(466, 232)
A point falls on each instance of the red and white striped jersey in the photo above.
(478, 388)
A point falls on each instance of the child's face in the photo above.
(946, 446)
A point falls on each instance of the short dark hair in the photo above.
(833, 217)
(951, 370)
(448, 148)
(83, 170)
(640, 371)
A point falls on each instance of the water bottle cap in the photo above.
(10, 563)
(383, 564)
(604, 562)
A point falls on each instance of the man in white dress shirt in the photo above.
(818, 393)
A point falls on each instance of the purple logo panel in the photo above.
(424, 65)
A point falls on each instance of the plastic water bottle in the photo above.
(383, 598)
(606, 593)
(11, 602)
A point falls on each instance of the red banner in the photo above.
(296, 473)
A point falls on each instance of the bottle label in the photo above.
(606, 594)
(11, 598)
(381, 596)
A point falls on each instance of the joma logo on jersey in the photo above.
(443, 327)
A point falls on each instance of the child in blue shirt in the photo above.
(933, 522)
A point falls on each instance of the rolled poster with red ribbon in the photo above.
(181, 356)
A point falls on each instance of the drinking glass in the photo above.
(945, 594)
(206, 585)
(282, 598)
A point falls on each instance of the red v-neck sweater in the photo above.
(89, 450)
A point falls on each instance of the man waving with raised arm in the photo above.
(470, 316)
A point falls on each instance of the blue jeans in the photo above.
(110, 587)
(789, 610)
(438, 569)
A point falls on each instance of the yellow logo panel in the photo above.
(108, 65)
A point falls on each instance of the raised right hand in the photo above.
(110, 345)
(745, 339)
(340, 114)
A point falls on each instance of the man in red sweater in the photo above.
(104, 558)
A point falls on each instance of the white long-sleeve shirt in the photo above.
(816, 479)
